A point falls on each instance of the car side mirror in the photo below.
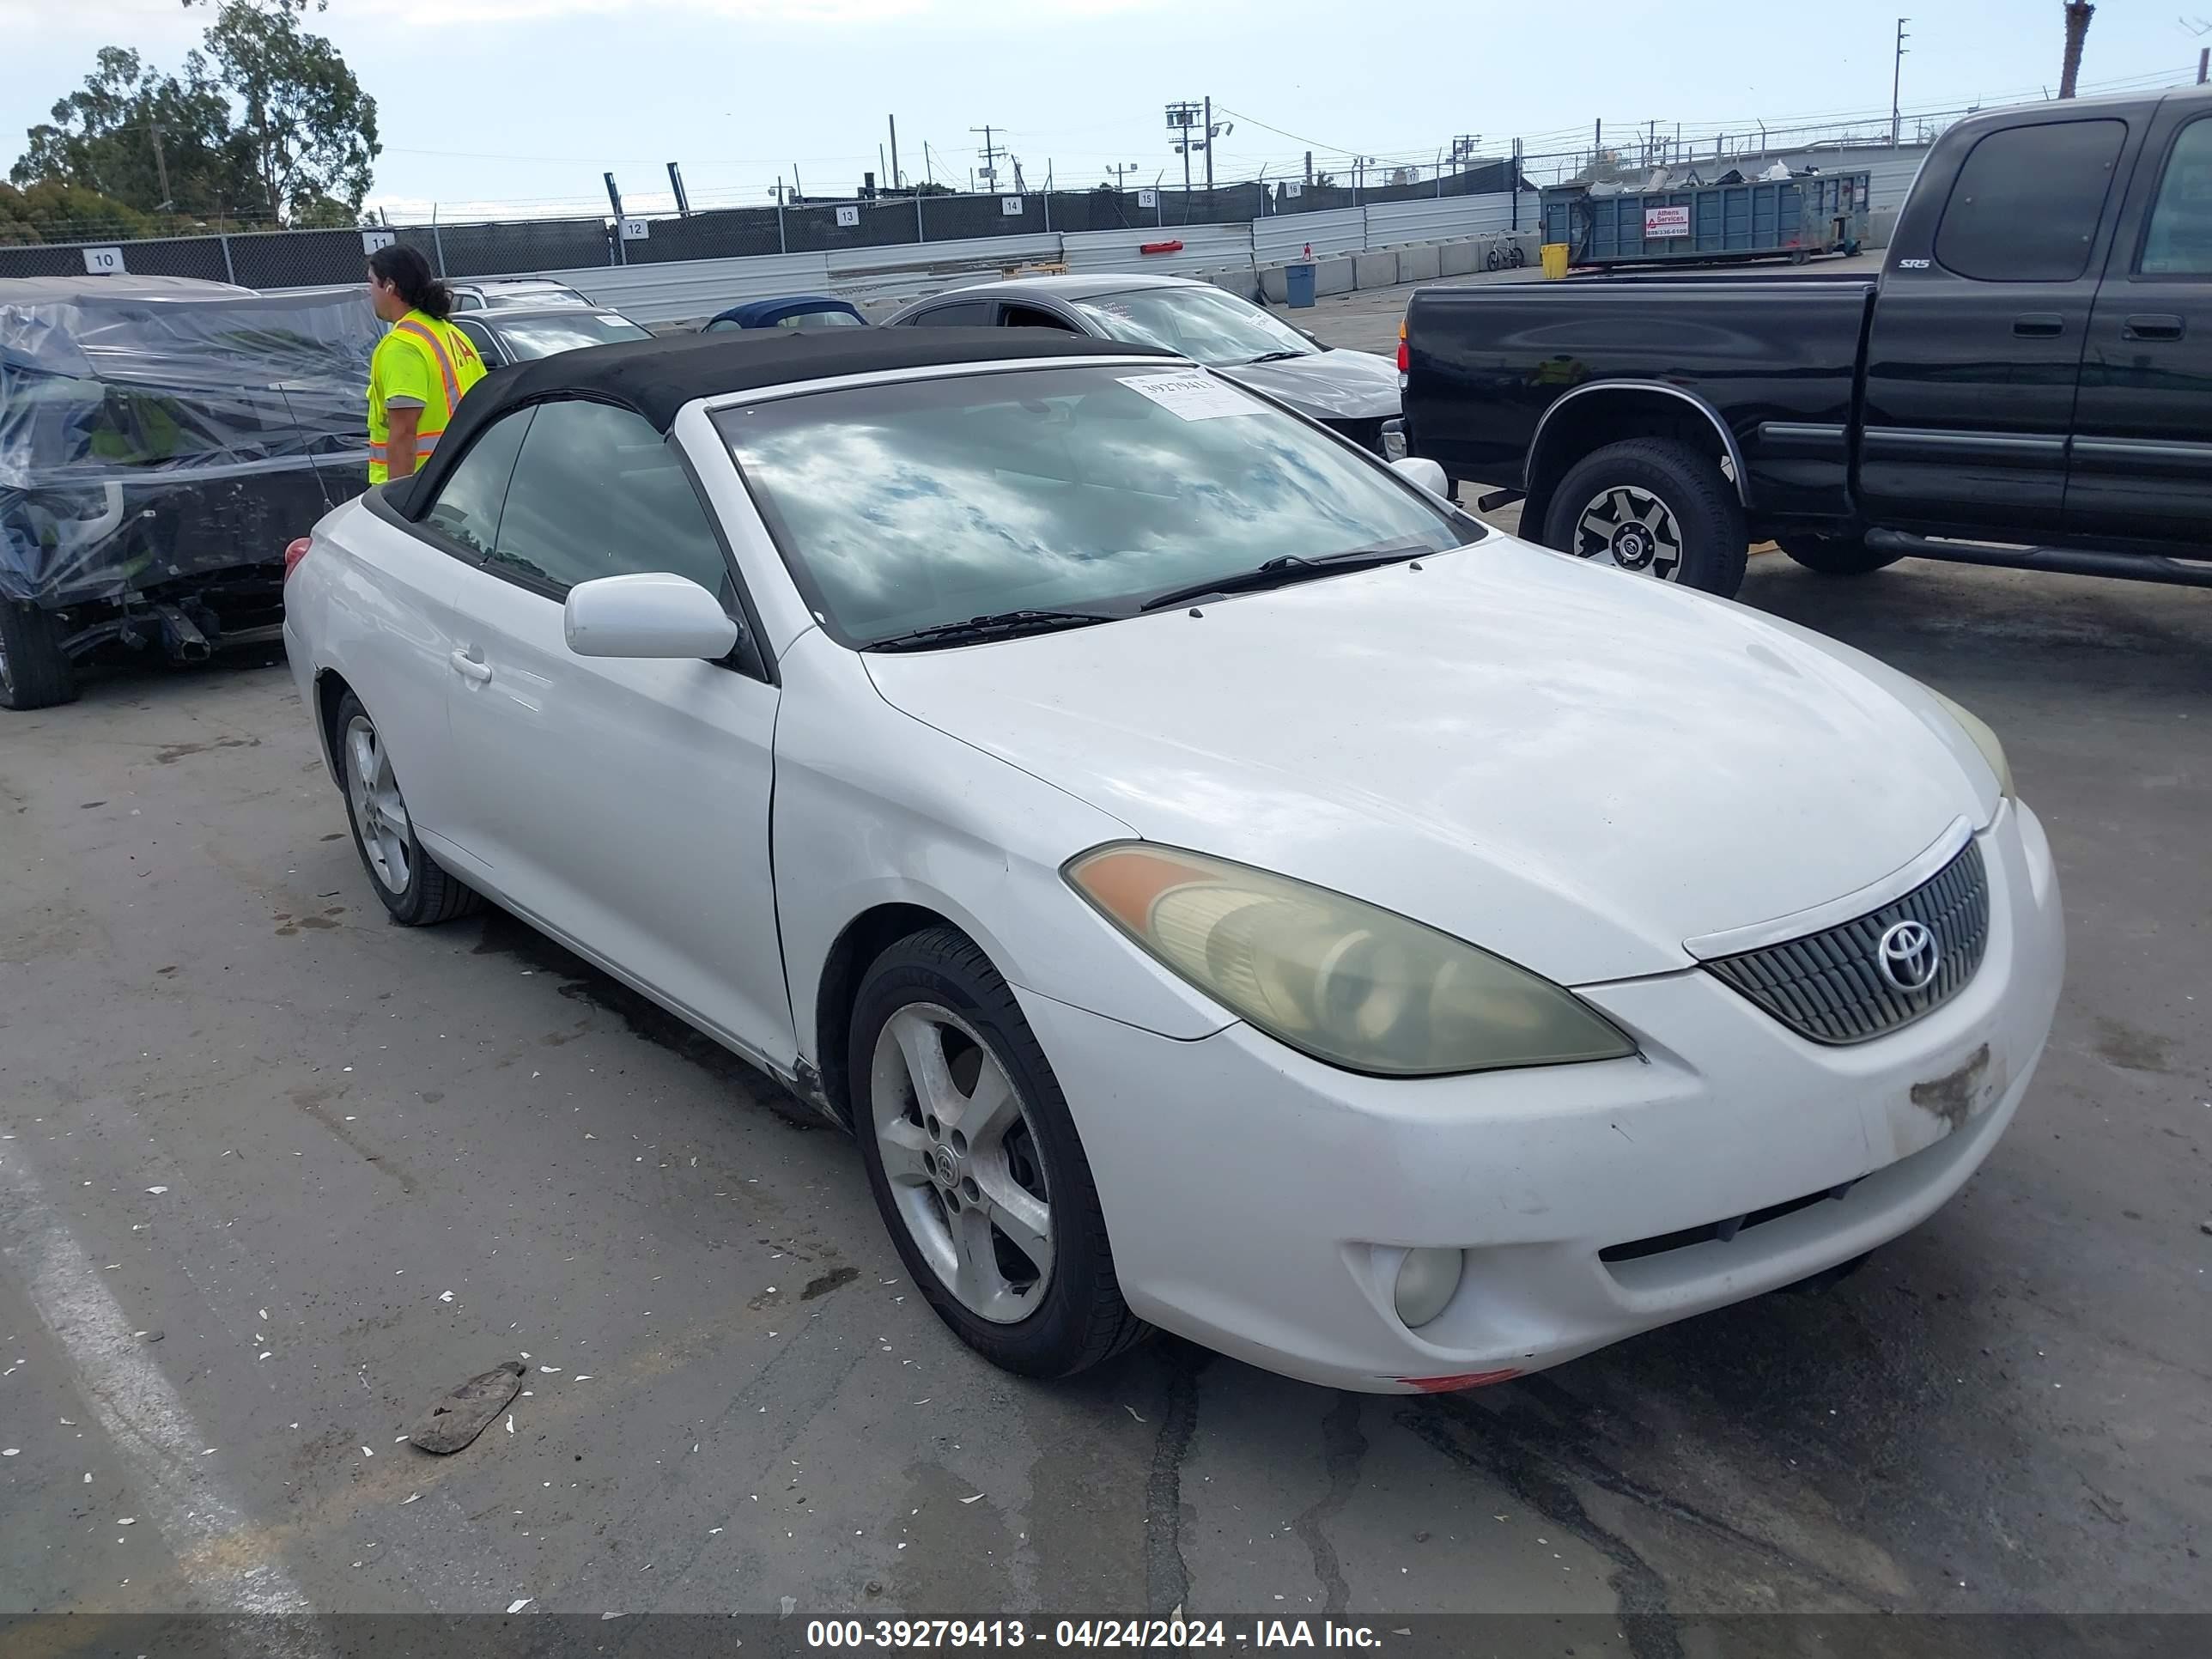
(1420, 470)
(650, 614)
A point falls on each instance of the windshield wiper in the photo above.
(1290, 569)
(999, 625)
(1274, 357)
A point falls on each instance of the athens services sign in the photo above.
(1666, 221)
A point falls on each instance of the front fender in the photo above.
(874, 807)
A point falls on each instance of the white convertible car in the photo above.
(1221, 885)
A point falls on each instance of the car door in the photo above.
(2142, 465)
(1973, 357)
(621, 804)
(400, 630)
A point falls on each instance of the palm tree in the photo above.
(2078, 14)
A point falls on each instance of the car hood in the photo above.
(1338, 385)
(1573, 769)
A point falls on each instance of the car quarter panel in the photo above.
(1777, 361)
(874, 807)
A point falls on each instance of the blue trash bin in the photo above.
(1298, 279)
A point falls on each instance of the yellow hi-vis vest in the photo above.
(421, 357)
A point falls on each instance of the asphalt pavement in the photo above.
(276, 1174)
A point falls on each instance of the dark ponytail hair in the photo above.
(406, 269)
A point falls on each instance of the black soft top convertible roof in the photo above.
(658, 377)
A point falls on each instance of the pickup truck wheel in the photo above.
(1654, 508)
(34, 670)
(1835, 555)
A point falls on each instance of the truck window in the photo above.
(2025, 206)
(2180, 241)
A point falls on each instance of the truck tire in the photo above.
(34, 670)
(1654, 507)
(1835, 555)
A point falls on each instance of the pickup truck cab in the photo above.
(2029, 382)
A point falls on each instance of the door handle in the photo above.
(469, 667)
(2152, 327)
(2039, 326)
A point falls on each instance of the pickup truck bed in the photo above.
(2027, 382)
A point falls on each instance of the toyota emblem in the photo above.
(1909, 957)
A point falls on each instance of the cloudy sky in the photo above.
(528, 101)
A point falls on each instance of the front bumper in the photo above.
(1259, 1202)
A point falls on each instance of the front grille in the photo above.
(1826, 985)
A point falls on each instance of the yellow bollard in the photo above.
(1555, 261)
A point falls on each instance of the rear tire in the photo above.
(1836, 556)
(34, 670)
(963, 1128)
(1653, 508)
(415, 887)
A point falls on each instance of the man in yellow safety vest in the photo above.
(419, 370)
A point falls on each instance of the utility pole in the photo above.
(1209, 146)
(991, 152)
(1117, 169)
(928, 164)
(1310, 167)
(676, 184)
(2204, 65)
(2078, 14)
(895, 172)
(1896, 78)
(1182, 118)
(162, 165)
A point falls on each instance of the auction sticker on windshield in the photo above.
(1195, 396)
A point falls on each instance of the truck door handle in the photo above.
(2039, 326)
(2153, 327)
(471, 668)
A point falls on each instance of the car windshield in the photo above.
(543, 337)
(1200, 322)
(1089, 487)
(820, 319)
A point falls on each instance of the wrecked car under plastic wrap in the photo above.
(159, 436)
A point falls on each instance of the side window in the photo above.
(467, 509)
(968, 313)
(721, 325)
(2179, 240)
(2026, 203)
(597, 492)
(1032, 317)
(479, 337)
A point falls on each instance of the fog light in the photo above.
(1426, 1281)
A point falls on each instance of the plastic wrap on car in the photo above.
(151, 431)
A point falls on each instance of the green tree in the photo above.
(50, 210)
(309, 128)
(143, 138)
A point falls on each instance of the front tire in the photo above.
(1654, 508)
(34, 670)
(1835, 555)
(415, 887)
(975, 1164)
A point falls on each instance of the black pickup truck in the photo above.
(2028, 383)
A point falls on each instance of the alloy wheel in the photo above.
(1634, 529)
(961, 1158)
(379, 813)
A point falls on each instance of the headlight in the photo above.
(1346, 982)
(1984, 739)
